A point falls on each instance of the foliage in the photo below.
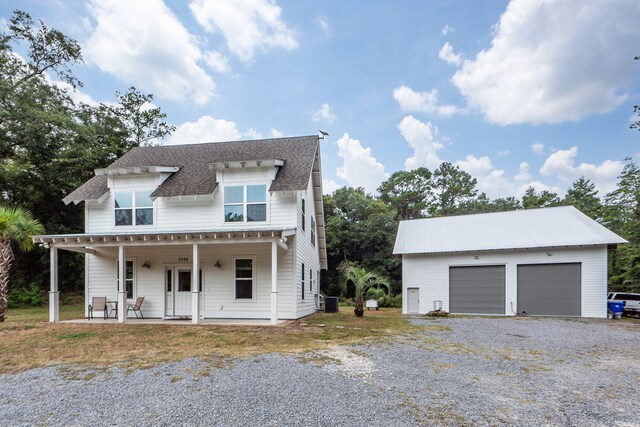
(16, 228)
(452, 187)
(32, 296)
(362, 280)
(408, 192)
(583, 196)
(544, 199)
(144, 121)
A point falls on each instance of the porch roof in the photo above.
(87, 241)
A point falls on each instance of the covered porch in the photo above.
(240, 273)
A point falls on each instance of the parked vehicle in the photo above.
(631, 301)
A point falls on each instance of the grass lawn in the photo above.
(28, 341)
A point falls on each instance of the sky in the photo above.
(518, 94)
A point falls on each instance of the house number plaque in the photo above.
(183, 259)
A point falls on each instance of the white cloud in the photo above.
(323, 23)
(503, 153)
(491, 180)
(523, 173)
(447, 54)
(323, 114)
(422, 102)
(247, 25)
(205, 129)
(275, 133)
(537, 148)
(217, 61)
(553, 61)
(329, 186)
(423, 138)
(144, 44)
(447, 29)
(561, 165)
(360, 168)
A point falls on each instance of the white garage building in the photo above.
(547, 262)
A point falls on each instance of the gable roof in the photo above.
(524, 229)
(194, 176)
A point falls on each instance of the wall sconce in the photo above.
(217, 265)
(549, 254)
(146, 265)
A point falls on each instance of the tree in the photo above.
(583, 196)
(544, 199)
(408, 192)
(362, 280)
(482, 204)
(144, 121)
(16, 228)
(452, 186)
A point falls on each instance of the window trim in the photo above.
(133, 208)
(134, 279)
(303, 210)
(254, 278)
(245, 203)
(313, 231)
(302, 281)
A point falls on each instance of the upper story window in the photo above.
(133, 208)
(313, 231)
(303, 214)
(245, 201)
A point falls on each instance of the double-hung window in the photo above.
(244, 278)
(245, 203)
(133, 208)
(303, 215)
(129, 277)
(313, 231)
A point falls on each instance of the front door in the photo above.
(413, 300)
(182, 303)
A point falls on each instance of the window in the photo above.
(311, 280)
(133, 208)
(303, 215)
(128, 277)
(169, 279)
(303, 280)
(184, 280)
(244, 278)
(242, 202)
(313, 231)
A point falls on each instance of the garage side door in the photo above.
(550, 289)
(477, 290)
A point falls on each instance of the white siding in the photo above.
(306, 253)
(205, 212)
(430, 273)
(218, 287)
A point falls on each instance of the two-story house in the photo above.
(215, 230)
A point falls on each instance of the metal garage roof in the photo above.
(533, 228)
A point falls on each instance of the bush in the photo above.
(394, 301)
(26, 297)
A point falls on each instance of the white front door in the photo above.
(182, 303)
(413, 300)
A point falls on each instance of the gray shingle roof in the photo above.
(195, 177)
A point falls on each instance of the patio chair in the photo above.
(137, 307)
(97, 304)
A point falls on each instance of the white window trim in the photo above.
(312, 229)
(254, 277)
(133, 209)
(244, 203)
(134, 287)
(303, 211)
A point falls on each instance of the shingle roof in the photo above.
(524, 229)
(196, 178)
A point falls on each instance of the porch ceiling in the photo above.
(86, 242)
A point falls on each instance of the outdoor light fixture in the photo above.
(549, 254)
(217, 265)
(146, 265)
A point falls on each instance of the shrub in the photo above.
(394, 301)
(26, 297)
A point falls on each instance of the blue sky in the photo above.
(517, 93)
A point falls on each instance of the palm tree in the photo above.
(16, 227)
(363, 280)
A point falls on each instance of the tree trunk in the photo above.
(6, 258)
(359, 310)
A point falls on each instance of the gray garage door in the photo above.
(476, 289)
(549, 289)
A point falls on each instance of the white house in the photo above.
(550, 261)
(246, 215)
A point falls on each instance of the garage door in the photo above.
(476, 290)
(549, 289)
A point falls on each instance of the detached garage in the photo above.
(545, 262)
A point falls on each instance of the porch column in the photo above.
(54, 294)
(195, 286)
(122, 285)
(274, 283)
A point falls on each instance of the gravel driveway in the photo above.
(457, 371)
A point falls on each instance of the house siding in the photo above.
(430, 273)
(306, 253)
(218, 297)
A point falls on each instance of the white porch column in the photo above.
(54, 294)
(122, 285)
(274, 283)
(195, 286)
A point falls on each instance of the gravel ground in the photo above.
(458, 371)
